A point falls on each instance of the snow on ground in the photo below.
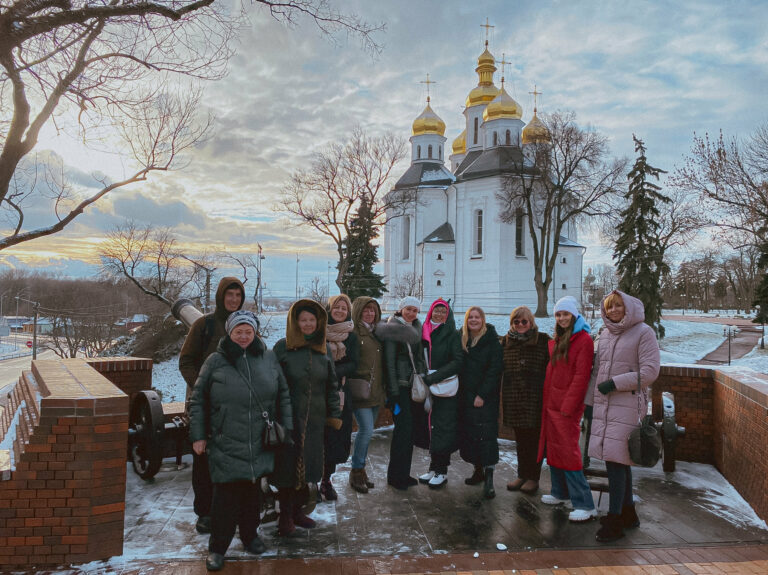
(687, 342)
(756, 359)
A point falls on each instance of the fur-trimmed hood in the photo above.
(394, 330)
(294, 339)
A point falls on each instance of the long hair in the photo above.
(562, 341)
(465, 329)
(524, 312)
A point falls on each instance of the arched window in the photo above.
(477, 233)
(439, 256)
(429, 152)
(405, 247)
(440, 151)
(439, 283)
(418, 152)
(519, 233)
(509, 138)
(474, 140)
(495, 139)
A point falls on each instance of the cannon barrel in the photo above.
(185, 311)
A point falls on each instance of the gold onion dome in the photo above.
(460, 143)
(485, 90)
(535, 132)
(428, 123)
(502, 106)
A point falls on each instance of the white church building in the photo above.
(451, 237)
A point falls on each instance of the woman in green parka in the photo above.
(308, 366)
(235, 385)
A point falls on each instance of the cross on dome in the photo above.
(535, 94)
(487, 27)
(503, 62)
(428, 82)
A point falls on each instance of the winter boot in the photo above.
(357, 481)
(611, 530)
(488, 491)
(285, 525)
(299, 518)
(368, 483)
(629, 517)
(477, 477)
(327, 491)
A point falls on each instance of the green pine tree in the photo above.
(761, 291)
(638, 253)
(360, 256)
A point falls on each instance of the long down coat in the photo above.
(565, 386)
(624, 350)
(311, 377)
(480, 376)
(224, 411)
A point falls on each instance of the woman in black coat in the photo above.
(479, 381)
(442, 346)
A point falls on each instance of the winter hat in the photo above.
(239, 317)
(569, 304)
(409, 300)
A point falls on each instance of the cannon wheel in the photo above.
(146, 426)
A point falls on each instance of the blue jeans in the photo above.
(366, 418)
(572, 484)
(619, 486)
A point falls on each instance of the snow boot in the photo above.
(368, 483)
(357, 481)
(629, 517)
(478, 476)
(285, 525)
(611, 530)
(327, 491)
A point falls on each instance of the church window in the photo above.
(418, 152)
(519, 233)
(563, 260)
(564, 287)
(495, 139)
(474, 139)
(439, 256)
(477, 237)
(429, 152)
(440, 151)
(509, 138)
(439, 283)
(406, 239)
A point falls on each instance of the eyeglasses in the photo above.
(519, 322)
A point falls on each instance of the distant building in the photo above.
(44, 326)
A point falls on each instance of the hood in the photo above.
(357, 309)
(450, 323)
(294, 339)
(580, 325)
(224, 284)
(634, 313)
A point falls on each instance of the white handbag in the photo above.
(448, 387)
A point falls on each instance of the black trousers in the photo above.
(401, 448)
(234, 505)
(439, 462)
(201, 485)
(619, 486)
(527, 439)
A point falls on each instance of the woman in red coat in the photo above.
(565, 386)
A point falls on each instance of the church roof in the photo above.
(442, 235)
(425, 174)
(483, 163)
(566, 242)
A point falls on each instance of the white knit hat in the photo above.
(409, 300)
(569, 304)
(239, 317)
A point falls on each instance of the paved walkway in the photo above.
(742, 342)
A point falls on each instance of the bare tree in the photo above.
(407, 284)
(556, 184)
(83, 65)
(742, 273)
(317, 290)
(327, 195)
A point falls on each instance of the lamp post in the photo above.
(297, 277)
(729, 332)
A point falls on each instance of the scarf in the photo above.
(521, 337)
(336, 334)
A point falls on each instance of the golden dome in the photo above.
(502, 106)
(460, 143)
(535, 132)
(485, 90)
(428, 123)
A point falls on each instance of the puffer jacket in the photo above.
(625, 350)
(371, 365)
(398, 361)
(224, 411)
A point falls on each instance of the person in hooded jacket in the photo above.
(201, 341)
(442, 345)
(236, 384)
(479, 381)
(627, 358)
(345, 348)
(402, 352)
(565, 385)
(309, 370)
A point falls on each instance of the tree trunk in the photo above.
(541, 303)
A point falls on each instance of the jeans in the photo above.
(573, 484)
(619, 486)
(366, 418)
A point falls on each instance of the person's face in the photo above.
(369, 313)
(307, 323)
(233, 297)
(410, 313)
(243, 335)
(615, 312)
(339, 311)
(439, 314)
(474, 322)
(520, 324)
(563, 319)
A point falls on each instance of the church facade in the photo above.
(450, 240)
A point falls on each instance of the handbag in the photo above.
(447, 387)
(419, 391)
(274, 435)
(644, 441)
(360, 389)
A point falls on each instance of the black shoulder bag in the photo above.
(645, 440)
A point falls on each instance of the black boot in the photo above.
(214, 562)
(488, 491)
(477, 477)
(629, 517)
(611, 530)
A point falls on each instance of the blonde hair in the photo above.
(611, 299)
(523, 312)
(465, 329)
(333, 300)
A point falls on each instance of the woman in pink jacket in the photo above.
(627, 356)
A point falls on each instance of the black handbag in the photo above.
(275, 435)
(360, 389)
(644, 441)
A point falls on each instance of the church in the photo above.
(450, 241)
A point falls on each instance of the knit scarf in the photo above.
(336, 334)
(521, 337)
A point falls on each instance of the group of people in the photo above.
(310, 384)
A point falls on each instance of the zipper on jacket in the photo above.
(250, 415)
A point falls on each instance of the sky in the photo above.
(662, 71)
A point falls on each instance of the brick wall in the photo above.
(65, 501)
(129, 374)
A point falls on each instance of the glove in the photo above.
(587, 412)
(333, 422)
(606, 387)
(391, 403)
